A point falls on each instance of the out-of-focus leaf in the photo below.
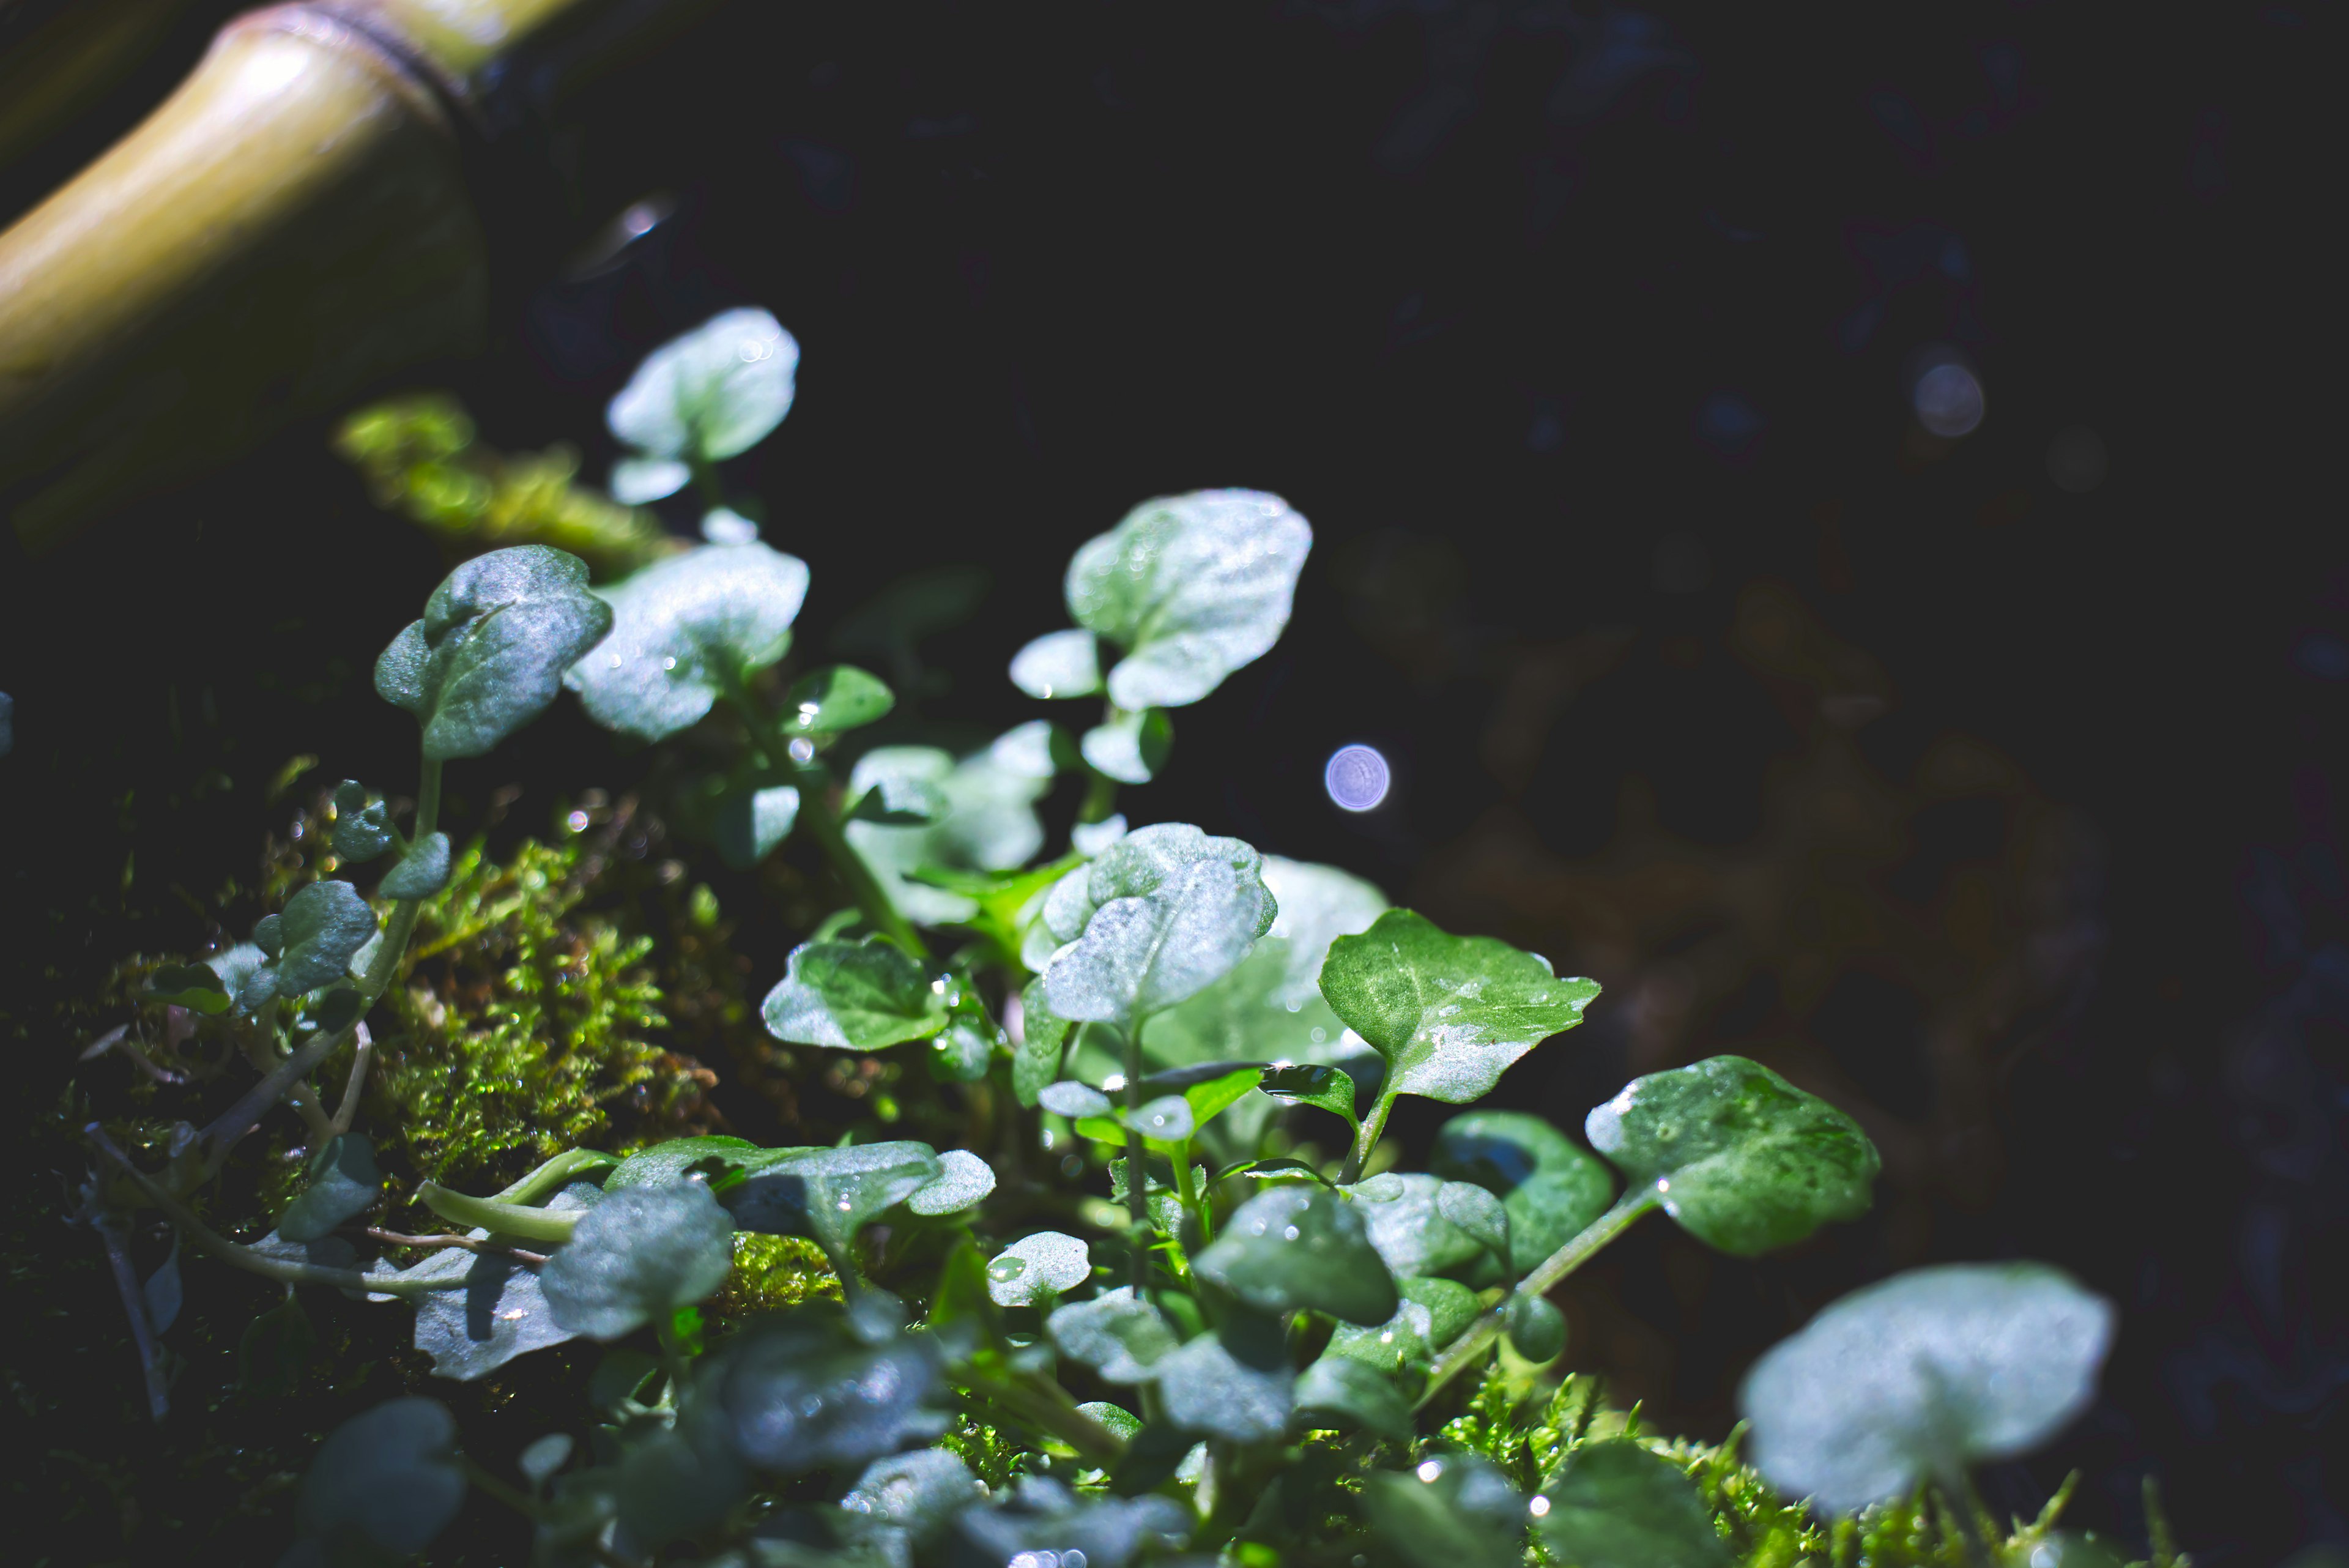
(981, 818)
(1118, 1336)
(1130, 747)
(749, 821)
(686, 630)
(854, 996)
(491, 652)
(422, 872)
(664, 1163)
(1298, 1246)
(388, 1478)
(1059, 664)
(1045, 1032)
(1400, 1212)
(1046, 1523)
(1431, 1315)
(804, 1390)
(1550, 1187)
(1356, 1394)
(1456, 1510)
(1043, 1263)
(830, 1194)
(1537, 1329)
(964, 1181)
(1234, 1383)
(346, 1184)
(362, 831)
(709, 394)
(836, 697)
(195, 986)
(638, 1256)
(920, 1493)
(1613, 1504)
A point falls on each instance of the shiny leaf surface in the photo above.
(685, 632)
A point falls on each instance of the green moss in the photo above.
(772, 1273)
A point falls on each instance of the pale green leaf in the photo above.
(709, 394)
(1168, 911)
(830, 1194)
(963, 1182)
(1044, 1262)
(1357, 1394)
(1118, 1336)
(345, 1184)
(1059, 664)
(686, 630)
(422, 872)
(1400, 1212)
(321, 927)
(1430, 1314)
(854, 996)
(490, 653)
(983, 819)
(806, 1391)
(836, 697)
(920, 1492)
(1301, 1246)
(1234, 1383)
(637, 1256)
(1132, 746)
(751, 822)
(391, 1477)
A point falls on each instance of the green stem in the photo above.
(1137, 1164)
(550, 1177)
(1545, 1277)
(1187, 1187)
(1366, 1139)
(496, 1218)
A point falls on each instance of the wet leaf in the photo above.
(1448, 1013)
(1233, 1383)
(830, 1194)
(1166, 1119)
(920, 1493)
(1613, 1504)
(1325, 1088)
(1430, 1314)
(491, 652)
(854, 996)
(1074, 1100)
(1740, 1158)
(501, 1313)
(1130, 747)
(1168, 911)
(345, 1183)
(1917, 1376)
(1296, 1246)
(422, 872)
(963, 1182)
(1043, 1263)
(1045, 1032)
(1059, 664)
(1045, 1523)
(709, 394)
(362, 830)
(664, 1163)
(804, 1390)
(321, 927)
(836, 697)
(638, 1255)
(1116, 1335)
(388, 1478)
(1356, 1394)
(1400, 1212)
(685, 632)
(1192, 588)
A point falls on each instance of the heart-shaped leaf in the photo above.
(638, 1256)
(390, 1478)
(1192, 588)
(491, 652)
(804, 1390)
(830, 1194)
(1045, 1262)
(705, 395)
(686, 630)
(1740, 1158)
(246, 975)
(422, 872)
(1353, 1394)
(982, 819)
(1551, 1186)
(1234, 1383)
(836, 697)
(1915, 1377)
(362, 831)
(1431, 1315)
(1401, 1214)
(1301, 1246)
(964, 1181)
(345, 1183)
(854, 996)
(1059, 664)
(1120, 1338)
(321, 927)
(1167, 911)
(1448, 1013)
(1130, 747)
(1613, 1504)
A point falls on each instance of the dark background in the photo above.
(1566, 326)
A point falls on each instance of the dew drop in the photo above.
(1004, 1269)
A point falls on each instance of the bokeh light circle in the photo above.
(1357, 778)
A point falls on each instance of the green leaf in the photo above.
(899, 786)
(751, 822)
(275, 1348)
(1118, 1336)
(1430, 1314)
(1211, 1097)
(985, 822)
(640, 481)
(1921, 1375)
(1043, 1263)
(1537, 1329)
(245, 975)
(836, 697)
(1301, 1246)
(706, 395)
(965, 1049)
(805, 1391)
(1454, 1510)
(686, 630)
(321, 927)
(1167, 910)
(920, 1492)
(1059, 664)
(1476, 1213)
(1613, 1504)
(1740, 1158)
(195, 986)
(1234, 1383)
(1355, 1394)
(854, 996)
(422, 872)
(1045, 1523)
(1325, 1088)
(362, 831)
(1074, 1100)
(1551, 1186)
(1043, 1031)
(638, 1256)
(680, 1480)
(1166, 1119)
(830, 1194)
(491, 652)
(502, 1313)
(1130, 747)
(964, 1181)
(345, 1183)
(390, 1478)
(1192, 588)
(664, 1163)
(1405, 1224)
(1448, 1013)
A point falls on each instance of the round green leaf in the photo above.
(1234, 1383)
(830, 1194)
(1074, 1100)
(1448, 1013)
(321, 927)
(920, 1492)
(1921, 1375)
(1167, 1119)
(1454, 1511)
(422, 872)
(1045, 1523)
(1476, 1211)
(1045, 1262)
(804, 1390)
(1431, 1315)
(387, 1479)
(638, 1255)
(1192, 588)
(491, 652)
(500, 1312)
(1357, 1394)
(1536, 1328)
(1120, 1338)
(1401, 1214)
(709, 394)
(854, 996)
(1132, 747)
(1301, 1246)
(346, 1184)
(1059, 664)
(1164, 912)
(1551, 1186)
(965, 1181)
(1325, 1088)
(1740, 1158)
(362, 831)
(838, 697)
(1613, 1504)
(686, 630)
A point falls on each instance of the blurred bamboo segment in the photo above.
(292, 225)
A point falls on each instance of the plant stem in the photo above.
(1544, 1278)
(134, 1306)
(551, 1176)
(1137, 1166)
(1366, 1139)
(393, 1239)
(498, 1218)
